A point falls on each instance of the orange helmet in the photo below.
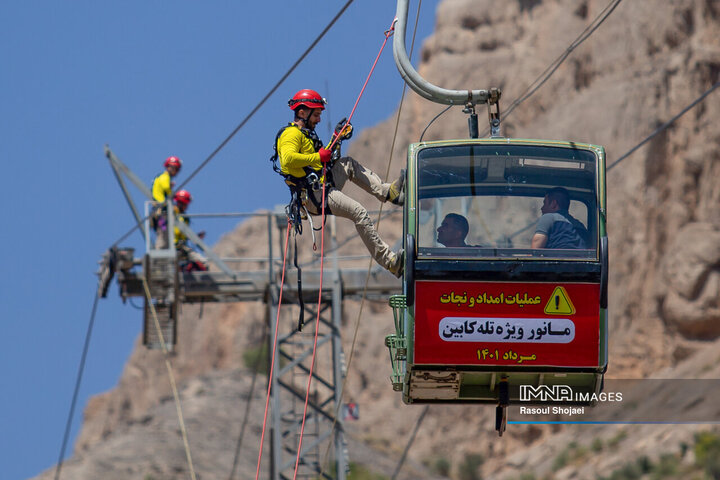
(307, 98)
(174, 162)
(183, 197)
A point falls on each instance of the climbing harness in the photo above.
(302, 189)
(305, 189)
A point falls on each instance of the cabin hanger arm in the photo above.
(421, 86)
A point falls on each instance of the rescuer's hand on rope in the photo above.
(344, 129)
(325, 155)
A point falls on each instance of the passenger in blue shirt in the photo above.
(556, 227)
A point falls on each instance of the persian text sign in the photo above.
(514, 330)
(476, 323)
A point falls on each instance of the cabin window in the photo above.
(499, 191)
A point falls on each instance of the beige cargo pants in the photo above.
(347, 168)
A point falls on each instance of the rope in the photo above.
(81, 369)
(367, 275)
(176, 396)
(665, 125)
(317, 327)
(272, 360)
(388, 34)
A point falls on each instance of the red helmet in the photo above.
(307, 98)
(173, 161)
(183, 196)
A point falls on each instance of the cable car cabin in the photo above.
(479, 319)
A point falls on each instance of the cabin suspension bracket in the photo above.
(473, 118)
(493, 104)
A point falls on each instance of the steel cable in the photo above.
(256, 108)
(269, 94)
(665, 125)
(552, 68)
(78, 381)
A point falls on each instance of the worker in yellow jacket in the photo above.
(301, 156)
(162, 189)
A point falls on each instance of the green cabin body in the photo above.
(496, 310)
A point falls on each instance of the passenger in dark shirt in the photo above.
(556, 227)
(453, 230)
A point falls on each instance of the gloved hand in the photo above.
(325, 155)
(347, 133)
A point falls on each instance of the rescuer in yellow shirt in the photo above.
(301, 156)
(162, 189)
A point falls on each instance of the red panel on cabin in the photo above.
(504, 323)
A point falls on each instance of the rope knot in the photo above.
(391, 30)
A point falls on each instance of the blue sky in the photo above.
(151, 79)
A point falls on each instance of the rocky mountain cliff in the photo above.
(643, 65)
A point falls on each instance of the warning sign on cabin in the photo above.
(559, 303)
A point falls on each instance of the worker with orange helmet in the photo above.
(192, 259)
(162, 189)
(301, 156)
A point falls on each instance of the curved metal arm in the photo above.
(421, 86)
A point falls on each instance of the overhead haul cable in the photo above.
(81, 369)
(643, 142)
(256, 108)
(550, 70)
(269, 94)
(410, 442)
(665, 125)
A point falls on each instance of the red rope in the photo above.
(388, 33)
(317, 328)
(272, 361)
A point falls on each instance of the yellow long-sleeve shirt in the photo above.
(296, 151)
(161, 187)
(179, 236)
